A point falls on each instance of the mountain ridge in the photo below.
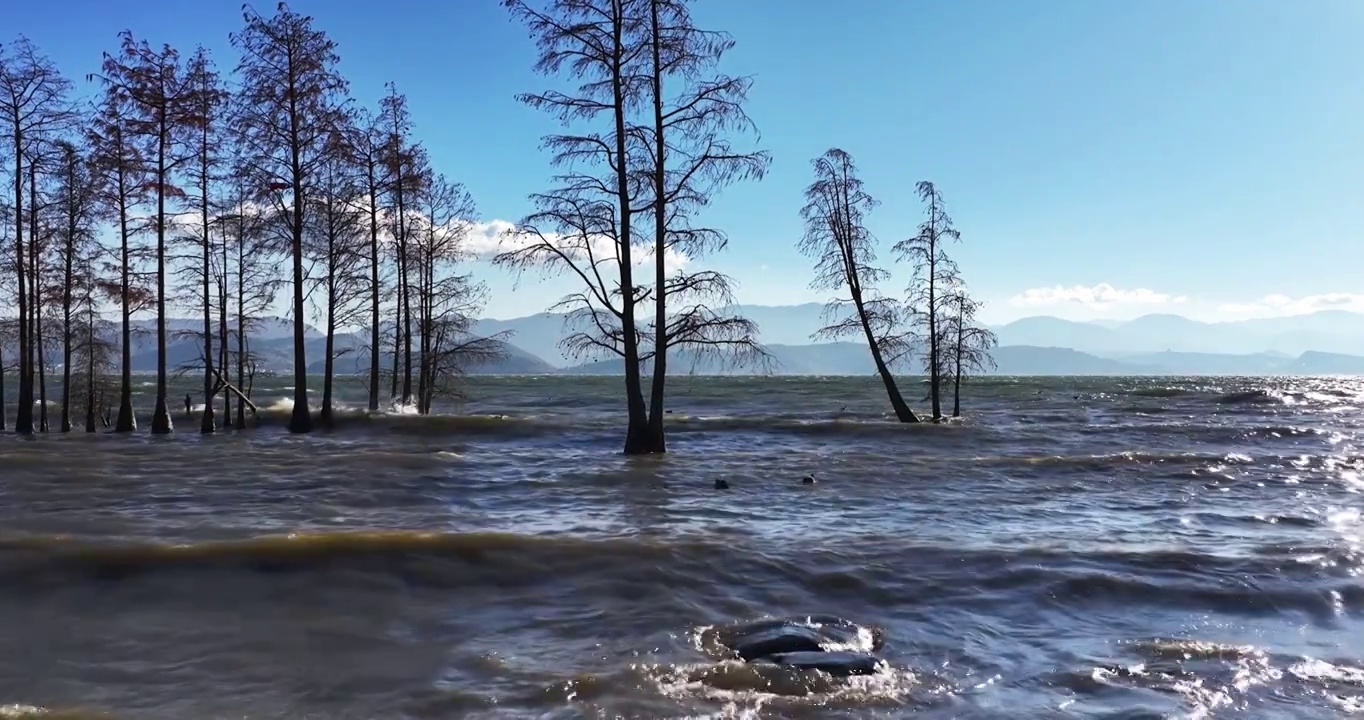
(1155, 344)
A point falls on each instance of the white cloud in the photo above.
(1098, 297)
(1279, 305)
(486, 239)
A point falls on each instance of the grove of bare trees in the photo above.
(934, 323)
(180, 188)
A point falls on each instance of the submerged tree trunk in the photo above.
(67, 276)
(126, 421)
(656, 437)
(373, 294)
(637, 432)
(23, 419)
(207, 422)
(36, 288)
(2, 388)
(90, 400)
(161, 419)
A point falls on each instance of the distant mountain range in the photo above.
(1327, 342)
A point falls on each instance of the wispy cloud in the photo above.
(1099, 297)
(486, 239)
(1278, 305)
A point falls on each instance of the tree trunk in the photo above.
(637, 439)
(406, 298)
(36, 289)
(161, 419)
(300, 420)
(241, 320)
(903, 413)
(222, 333)
(961, 333)
(23, 418)
(933, 310)
(656, 436)
(373, 292)
(2, 388)
(127, 422)
(207, 422)
(68, 275)
(90, 366)
(328, 356)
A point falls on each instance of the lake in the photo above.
(1074, 548)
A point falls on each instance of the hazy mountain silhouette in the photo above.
(1327, 342)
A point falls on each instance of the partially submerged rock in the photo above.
(841, 663)
(782, 638)
(817, 642)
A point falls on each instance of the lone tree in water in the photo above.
(585, 226)
(836, 206)
(688, 159)
(33, 106)
(966, 346)
(158, 101)
(934, 273)
(289, 106)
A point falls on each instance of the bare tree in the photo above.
(336, 243)
(447, 301)
(76, 200)
(967, 346)
(39, 267)
(836, 236)
(202, 120)
(933, 272)
(291, 100)
(33, 105)
(120, 169)
(687, 160)
(404, 163)
(367, 145)
(159, 103)
(254, 278)
(584, 227)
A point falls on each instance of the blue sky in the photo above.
(1102, 158)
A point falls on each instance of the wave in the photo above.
(850, 572)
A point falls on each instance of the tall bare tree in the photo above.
(33, 106)
(255, 280)
(202, 121)
(40, 299)
(76, 200)
(933, 272)
(290, 104)
(366, 144)
(119, 165)
(688, 158)
(585, 226)
(836, 236)
(404, 163)
(336, 242)
(159, 104)
(967, 345)
(447, 300)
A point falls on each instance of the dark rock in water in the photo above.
(807, 633)
(721, 484)
(772, 639)
(835, 663)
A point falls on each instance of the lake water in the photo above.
(1076, 548)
